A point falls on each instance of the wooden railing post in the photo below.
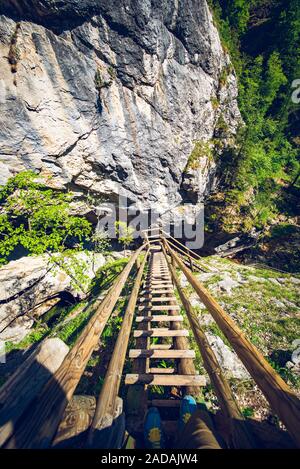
(37, 429)
(105, 409)
(282, 399)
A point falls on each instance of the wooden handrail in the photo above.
(239, 436)
(37, 428)
(106, 404)
(282, 399)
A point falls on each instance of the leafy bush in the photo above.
(37, 218)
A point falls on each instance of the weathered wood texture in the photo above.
(37, 429)
(239, 436)
(282, 399)
(161, 353)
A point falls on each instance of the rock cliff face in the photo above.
(111, 94)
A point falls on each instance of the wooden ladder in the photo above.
(158, 316)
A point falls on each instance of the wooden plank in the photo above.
(158, 318)
(38, 428)
(106, 404)
(20, 390)
(160, 308)
(158, 285)
(140, 353)
(163, 371)
(282, 399)
(161, 333)
(160, 346)
(165, 380)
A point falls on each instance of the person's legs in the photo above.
(198, 431)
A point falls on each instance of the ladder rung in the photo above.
(157, 299)
(144, 353)
(158, 285)
(157, 292)
(159, 318)
(166, 380)
(161, 333)
(163, 371)
(159, 308)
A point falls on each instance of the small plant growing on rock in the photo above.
(125, 234)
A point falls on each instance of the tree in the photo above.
(124, 233)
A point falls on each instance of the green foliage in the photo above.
(37, 218)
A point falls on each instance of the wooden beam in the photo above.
(139, 353)
(159, 308)
(166, 380)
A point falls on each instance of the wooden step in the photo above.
(165, 380)
(144, 353)
(159, 318)
(144, 299)
(159, 308)
(161, 333)
(163, 371)
(159, 270)
(157, 292)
